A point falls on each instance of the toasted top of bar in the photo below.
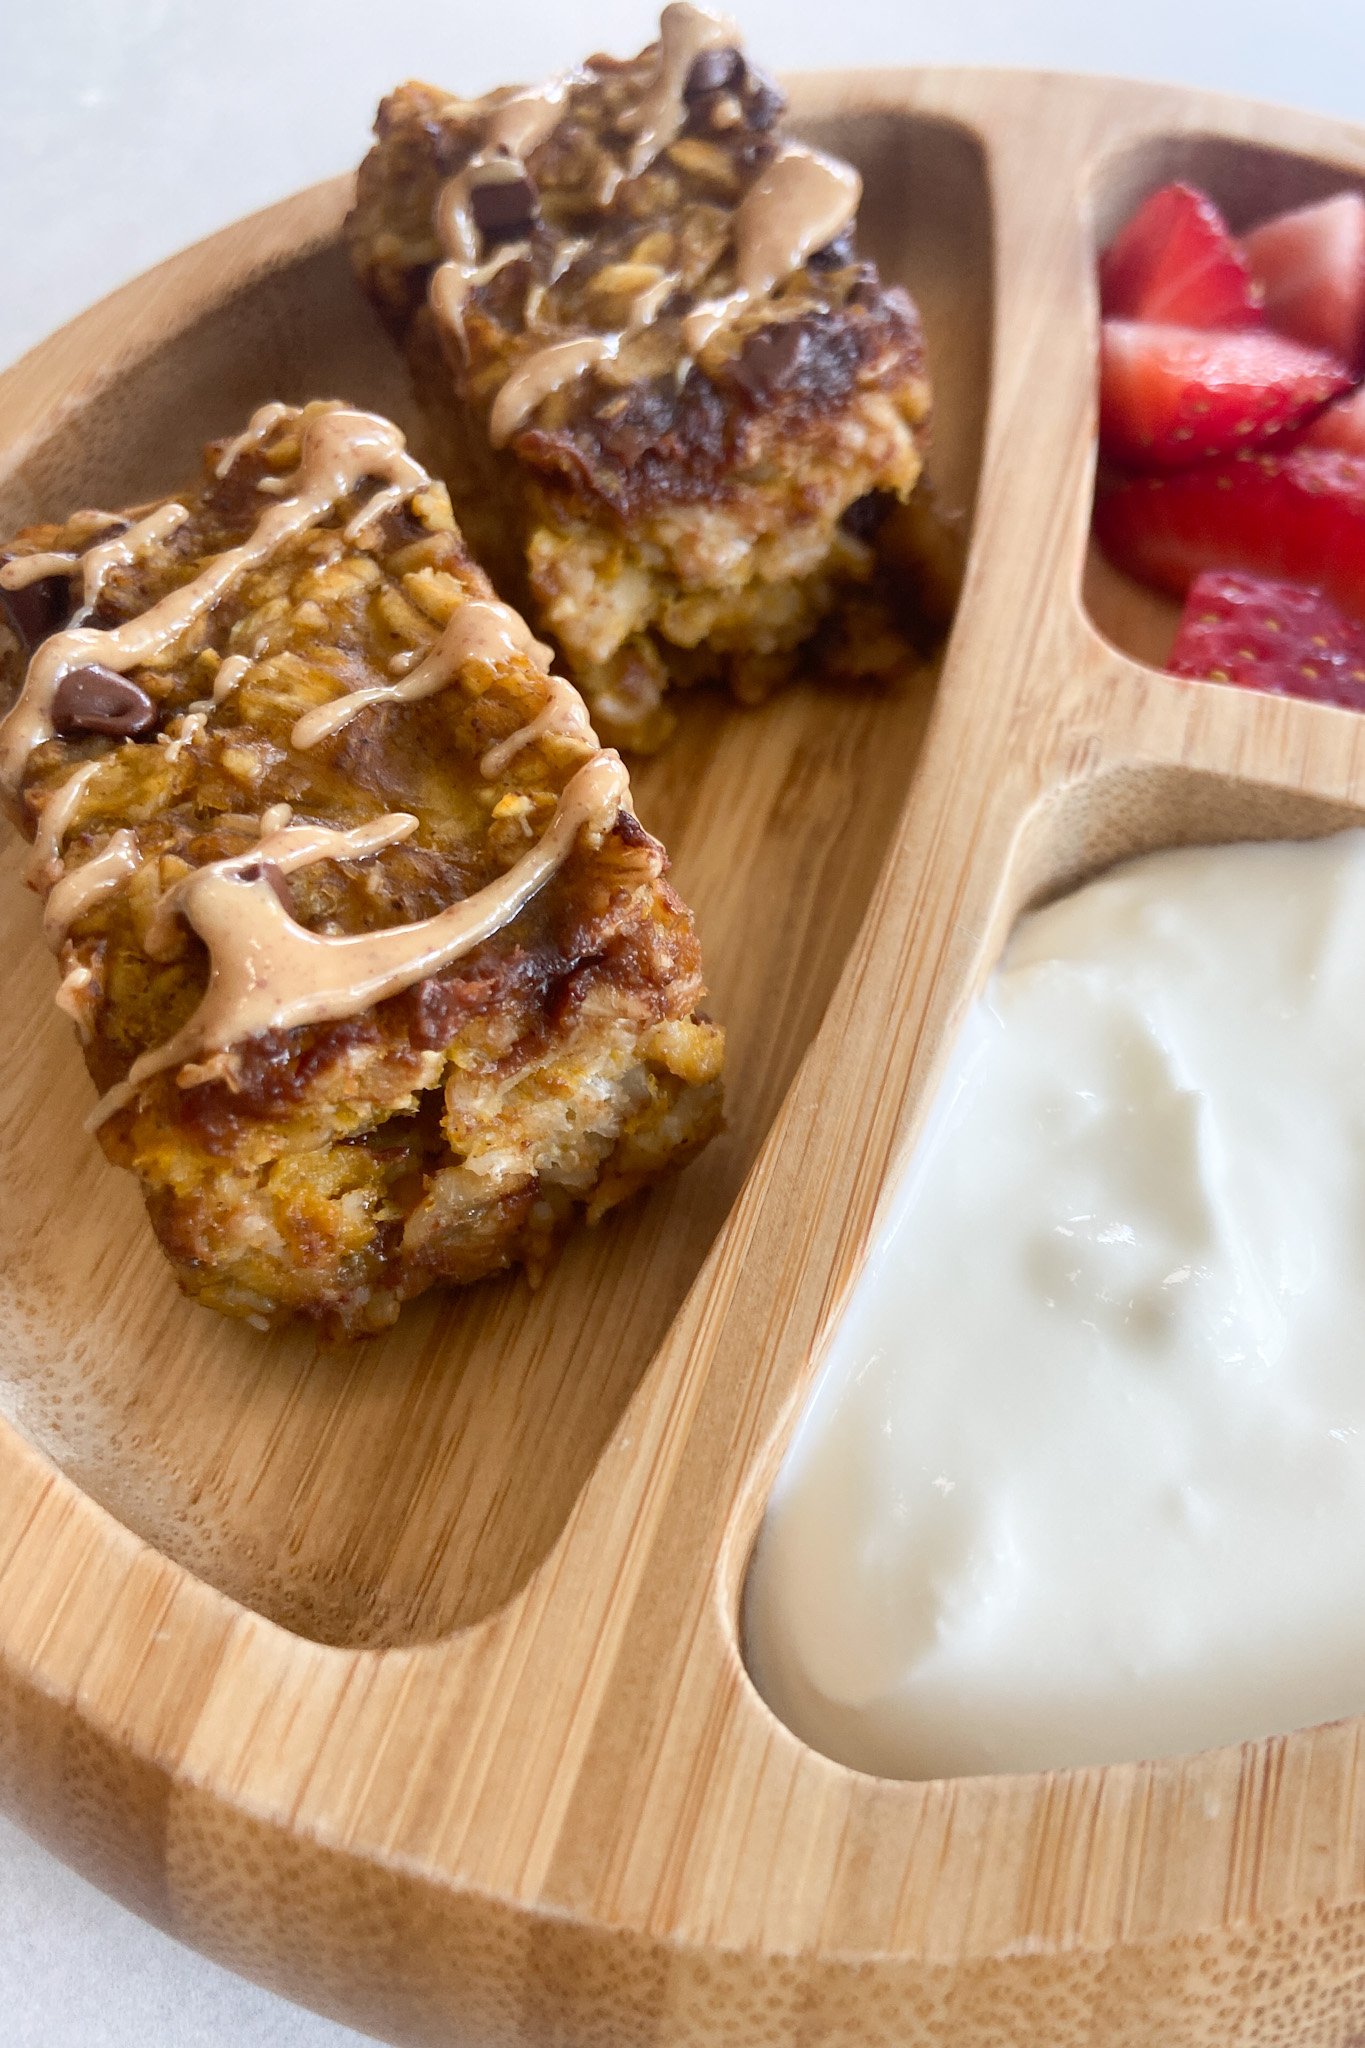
(642, 283)
(171, 754)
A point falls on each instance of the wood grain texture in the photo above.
(406, 1678)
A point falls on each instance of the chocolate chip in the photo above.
(97, 700)
(768, 359)
(714, 71)
(866, 289)
(503, 207)
(864, 516)
(36, 610)
(764, 104)
(400, 528)
(835, 254)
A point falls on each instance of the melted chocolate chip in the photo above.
(400, 528)
(36, 610)
(97, 700)
(835, 254)
(863, 517)
(714, 71)
(768, 359)
(630, 831)
(503, 208)
(866, 290)
(642, 424)
(764, 104)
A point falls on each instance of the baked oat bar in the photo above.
(656, 371)
(380, 978)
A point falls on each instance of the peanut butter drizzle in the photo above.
(99, 563)
(73, 895)
(230, 672)
(563, 712)
(340, 448)
(257, 429)
(546, 370)
(267, 972)
(481, 630)
(685, 33)
(514, 125)
(452, 283)
(376, 508)
(96, 563)
(21, 570)
(54, 822)
(286, 847)
(559, 363)
(801, 201)
(68, 998)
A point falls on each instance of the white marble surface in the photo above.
(129, 127)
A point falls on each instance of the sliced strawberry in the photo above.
(1311, 266)
(1175, 262)
(1264, 635)
(1300, 516)
(1341, 426)
(1175, 395)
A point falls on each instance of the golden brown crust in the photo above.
(701, 507)
(339, 1167)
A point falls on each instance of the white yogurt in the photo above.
(1084, 1476)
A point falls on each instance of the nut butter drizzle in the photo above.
(513, 128)
(800, 202)
(21, 570)
(559, 363)
(54, 822)
(339, 449)
(267, 972)
(563, 712)
(73, 895)
(96, 563)
(254, 434)
(230, 673)
(284, 847)
(481, 630)
(123, 549)
(514, 125)
(685, 33)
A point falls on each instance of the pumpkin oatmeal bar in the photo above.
(380, 977)
(656, 371)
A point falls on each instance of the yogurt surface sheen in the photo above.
(1083, 1478)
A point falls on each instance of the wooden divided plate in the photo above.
(406, 1677)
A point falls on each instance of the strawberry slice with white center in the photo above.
(1311, 266)
(1176, 263)
(1170, 396)
(1299, 516)
(1267, 635)
(1341, 426)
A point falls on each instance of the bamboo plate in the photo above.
(406, 1678)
